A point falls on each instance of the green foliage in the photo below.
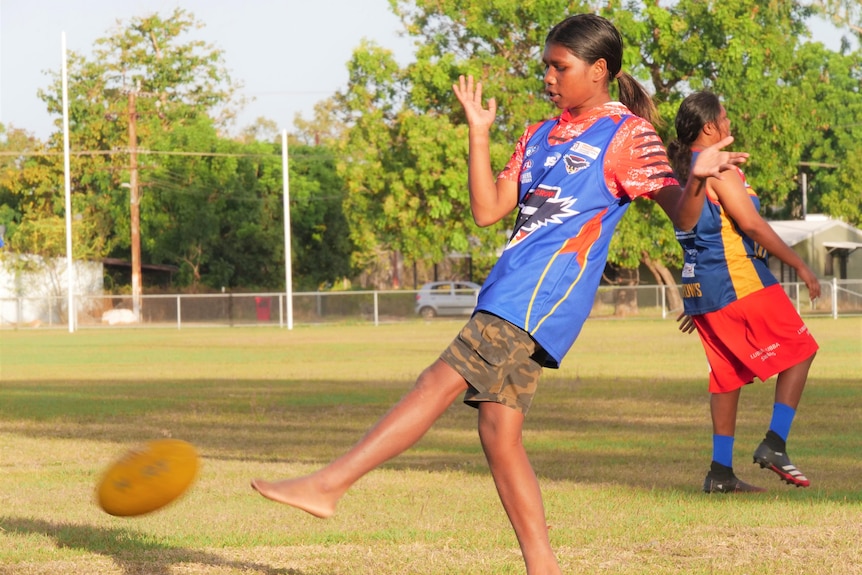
(219, 213)
(404, 154)
(185, 200)
(786, 97)
(646, 233)
(382, 168)
(830, 88)
(172, 81)
(217, 217)
(843, 199)
(320, 236)
(405, 168)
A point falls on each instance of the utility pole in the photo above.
(134, 208)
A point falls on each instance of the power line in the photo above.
(139, 152)
(121, 151)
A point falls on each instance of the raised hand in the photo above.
(469, 93)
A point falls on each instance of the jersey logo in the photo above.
(541, 207)
(552, 160)
(575, 164)
(688, 270)
(586, 150)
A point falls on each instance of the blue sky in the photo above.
(289, 54)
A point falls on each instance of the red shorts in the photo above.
(757, 336)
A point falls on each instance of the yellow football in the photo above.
(148, 477)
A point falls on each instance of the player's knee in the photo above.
(439, 379)
(499, 426)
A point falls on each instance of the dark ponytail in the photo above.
(635, 97)
(679, 155)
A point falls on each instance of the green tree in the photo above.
(210, 205)
(19, 179)
(405, 150)
(172, 81)
(218, 213)
(32, 198)
(404, 156)
(185, 197)
(831, 85)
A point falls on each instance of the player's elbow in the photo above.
(752, 227)
(682, 218)
(483, 221)
(485, 216)
(685, 222)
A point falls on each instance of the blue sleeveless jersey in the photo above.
(546, 279)
(721, 263)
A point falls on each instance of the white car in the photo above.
(446, 298)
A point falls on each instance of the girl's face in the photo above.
(723, 124)
(571, 83)
(716, 130)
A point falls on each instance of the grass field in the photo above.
(620, 438)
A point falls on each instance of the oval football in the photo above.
(148, 477)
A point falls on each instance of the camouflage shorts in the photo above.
(496, 359)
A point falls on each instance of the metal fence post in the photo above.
(376, 316)
(834, 297)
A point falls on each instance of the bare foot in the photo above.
(300, 493)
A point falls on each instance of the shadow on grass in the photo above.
(626, 431)
(134, 553)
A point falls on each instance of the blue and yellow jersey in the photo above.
(721, 263)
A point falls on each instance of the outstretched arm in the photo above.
(490, 200)
(683, 206)
(734, 199)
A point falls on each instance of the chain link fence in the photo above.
(839, 298)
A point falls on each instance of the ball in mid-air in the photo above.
(148, 477)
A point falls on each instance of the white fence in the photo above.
(839, 298)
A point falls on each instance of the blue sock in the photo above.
(722, 449)
(782, 419)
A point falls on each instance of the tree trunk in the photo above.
(626, 300)
(665, 278)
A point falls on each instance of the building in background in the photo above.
(33, 290)
(831, 248)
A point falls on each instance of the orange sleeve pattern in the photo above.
(636, 163)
